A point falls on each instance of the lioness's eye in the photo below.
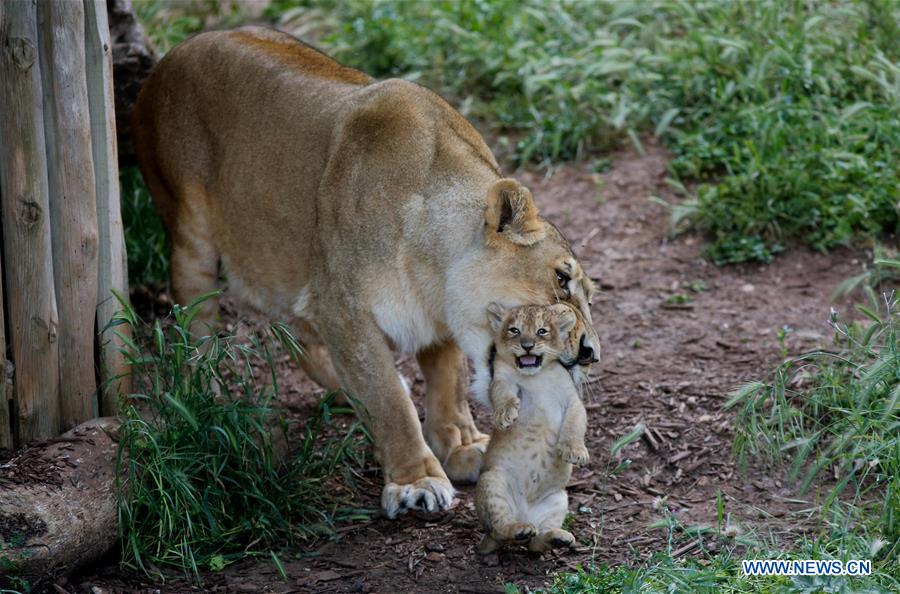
(542, 332)
(513, 331)
(563, 279)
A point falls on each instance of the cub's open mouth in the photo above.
(529, 361)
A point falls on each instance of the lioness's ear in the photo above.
(567, 318)
(511, 214)
(496, 313)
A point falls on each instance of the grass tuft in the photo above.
(203, 475)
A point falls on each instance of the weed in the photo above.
(601, 165)
(782, 334)
(698, 286)
(678, 299)
(883, 273)
(9, 583)
(198, 472)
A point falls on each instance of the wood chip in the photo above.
(647, 436)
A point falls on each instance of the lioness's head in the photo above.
(522, 259)
(532, 336)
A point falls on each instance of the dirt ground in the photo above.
(668, 362)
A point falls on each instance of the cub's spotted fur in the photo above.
(539, 424)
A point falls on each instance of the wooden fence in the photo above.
(63, 250)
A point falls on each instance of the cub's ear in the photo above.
(496, 313)
(511, 214)
(566, 320)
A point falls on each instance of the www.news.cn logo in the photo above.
(806, 567)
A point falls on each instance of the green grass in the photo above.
(198, 468)
(145, 237)
(786, 112)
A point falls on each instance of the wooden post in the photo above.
(28, 267)
(73, 202)
(6, 436)
(113, 270)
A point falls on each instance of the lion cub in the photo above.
(539, 423)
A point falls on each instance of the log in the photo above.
(133, 59)
(113, 265)
(58, 504)
(28, 266)
(73, 202)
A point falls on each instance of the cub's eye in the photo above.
(513, 331)
(542, 332)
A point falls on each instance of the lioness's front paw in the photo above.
(506, 414)
(429, 494)
(574, 453)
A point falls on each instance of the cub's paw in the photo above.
(519, 532)
(506, 414)
(574, 453)
(558, 538)
(429, 494)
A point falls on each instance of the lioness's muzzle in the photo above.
(586, 354)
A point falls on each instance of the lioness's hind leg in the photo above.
(194, 263)
(449, 428)
(315, 358)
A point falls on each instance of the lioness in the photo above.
(369, 213)
(539, 425)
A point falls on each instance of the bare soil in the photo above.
(678, 333)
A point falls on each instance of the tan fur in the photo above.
(539, 426)
(370, 213)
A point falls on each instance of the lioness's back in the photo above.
(222, 89)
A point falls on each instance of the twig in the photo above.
(686, 548)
